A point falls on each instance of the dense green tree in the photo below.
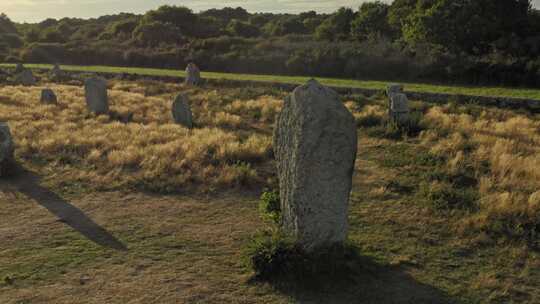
(155, 33)
(337, 26)
(398, 13)
(52, 35)
(285, 26)
(124, 27)
(243, 29)
(465, 25)
(6, 25)
(180, 17)
(371, 21)
(227, 14)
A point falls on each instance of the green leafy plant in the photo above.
(269, 206)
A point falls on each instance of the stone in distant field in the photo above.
(95, 90)
(315, 144)
(181, 111)
(121, 117)
(193, 74)
(6, 148)
(48, 96)
(394, 89)
(399, 108)
(19, 68)
(25, 78)
(56, 74)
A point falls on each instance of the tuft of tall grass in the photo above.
(502, 150)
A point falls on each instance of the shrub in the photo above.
(273, 255)
(444, 196)
(269, 206)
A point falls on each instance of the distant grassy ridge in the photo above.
(525, 93)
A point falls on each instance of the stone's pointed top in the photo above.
(313, 83)
(394, 88)
(48, 96)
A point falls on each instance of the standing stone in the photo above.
(181, 111)
(399, 108)
(315, 144)
(193, 74)
(95, 90)
(56, 69)
(48, 97)
(19, 69)
(6, 148)
(25, 78)
(56, 74)
(394, 89)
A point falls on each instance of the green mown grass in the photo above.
(528, 93)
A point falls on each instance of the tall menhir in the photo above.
(315, 143)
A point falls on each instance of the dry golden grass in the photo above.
(151, 152)
(503, 148)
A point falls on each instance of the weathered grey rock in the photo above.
(95, 90)
(25, 78)
(193, 74)
(181, 111)
(6, 148)
(394, 89)
(315, 144)
(399, 108)
(19, 68)
(56, 74)
(48, 97)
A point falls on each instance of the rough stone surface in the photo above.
(6, 148)
(394, 89)
(399, 108)
(25, 78)
(181, 111)
(95, 90)
(48, 96)
(315, 144)
(193, 74)
(19, 68)
(56, 74)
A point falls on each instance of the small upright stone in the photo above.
(394, 89)
(56, 74)
(193, 74)
(48, 97)
(315, 145)
(19, 68)
(25, 78)
(6, 149)
(181, 111)
(399, 108)
(95, 90)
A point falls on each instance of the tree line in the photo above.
(458, 41)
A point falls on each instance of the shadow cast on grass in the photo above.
(27, 183)
(365, 281)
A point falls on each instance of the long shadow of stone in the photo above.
(27, 183)
(366, 282)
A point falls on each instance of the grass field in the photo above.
(150, 212)
(527, 93)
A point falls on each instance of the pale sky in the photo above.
(37, 10)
